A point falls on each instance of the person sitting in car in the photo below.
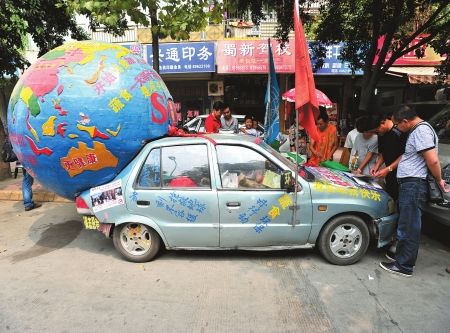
(248, 129)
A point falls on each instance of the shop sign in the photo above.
(184, 57)
(332, 65)
(421, 56)
(250, 56)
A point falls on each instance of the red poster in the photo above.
(427, 55)
(251, 56)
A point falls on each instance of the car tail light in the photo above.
(82, 207)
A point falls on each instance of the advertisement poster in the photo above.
(107, 196)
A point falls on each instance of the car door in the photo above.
(174, 189)
(254, 210)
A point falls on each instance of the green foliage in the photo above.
(174, 18)
(46, 21)
(359, 24)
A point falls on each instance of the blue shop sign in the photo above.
(332, 65)
(184, 57)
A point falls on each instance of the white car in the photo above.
(198, 124)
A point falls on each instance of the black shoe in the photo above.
(390, 255)
(448, 270)
(35, 205)
(392, 267)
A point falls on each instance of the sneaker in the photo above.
(35, 205)
(392, 267)
(390, 255)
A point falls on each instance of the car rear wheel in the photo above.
(136, 241)
(344, 240)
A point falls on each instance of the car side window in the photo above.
(185, 166)
(243, 168)
(150, 174)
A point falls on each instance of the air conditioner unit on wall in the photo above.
(215, 88)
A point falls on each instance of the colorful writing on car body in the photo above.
(253, 210)
(181, 206)
(363, 192)
(284, 202)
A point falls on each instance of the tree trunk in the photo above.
(367, 94)
(5, 171)
(155, 38)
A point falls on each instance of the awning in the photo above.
(416, 75)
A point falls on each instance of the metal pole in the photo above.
(294, 217)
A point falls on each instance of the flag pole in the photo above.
(294, 218)
(266, 117)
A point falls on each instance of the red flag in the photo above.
(305, 89)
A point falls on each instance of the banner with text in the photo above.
(250, 56)
(184, 57)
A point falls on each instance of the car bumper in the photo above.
(385, 229)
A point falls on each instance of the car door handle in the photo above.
(143, 203)
(233, 204)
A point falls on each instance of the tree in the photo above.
(360, 24)
(48, 22)
(172, 18)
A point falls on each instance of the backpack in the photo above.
(8, 154)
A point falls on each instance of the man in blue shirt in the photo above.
(421, 156)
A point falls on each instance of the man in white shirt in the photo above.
(348, 145)
(229, 123)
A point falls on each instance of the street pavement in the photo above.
(57, 277)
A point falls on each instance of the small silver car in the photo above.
(235, 192)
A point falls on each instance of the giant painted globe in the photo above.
(79, 114)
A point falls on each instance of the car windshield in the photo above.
(283, 159)
(441, 124)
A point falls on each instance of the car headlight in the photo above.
(392, 206)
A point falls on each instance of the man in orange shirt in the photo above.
(212, 122)
(324, 148)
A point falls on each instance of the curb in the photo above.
(37, 196)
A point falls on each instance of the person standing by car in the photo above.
(228, 122)
(420, 157)
(391, 146)
(27, 192)
(303, 141)
(324, 148)
(348, 145)
(212, 122)
(365, 148)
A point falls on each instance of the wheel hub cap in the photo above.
(345, 240)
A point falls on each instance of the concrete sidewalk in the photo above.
(11, 189)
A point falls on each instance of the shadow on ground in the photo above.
(53, 237)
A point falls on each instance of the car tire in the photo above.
(344, 240)
(137, 242)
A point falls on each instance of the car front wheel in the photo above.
(344, 240)
(136, 241)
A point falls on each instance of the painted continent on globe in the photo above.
(79, 114)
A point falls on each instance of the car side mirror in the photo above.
(287, 181)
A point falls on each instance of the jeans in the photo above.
(412, 198)
(27, 191)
